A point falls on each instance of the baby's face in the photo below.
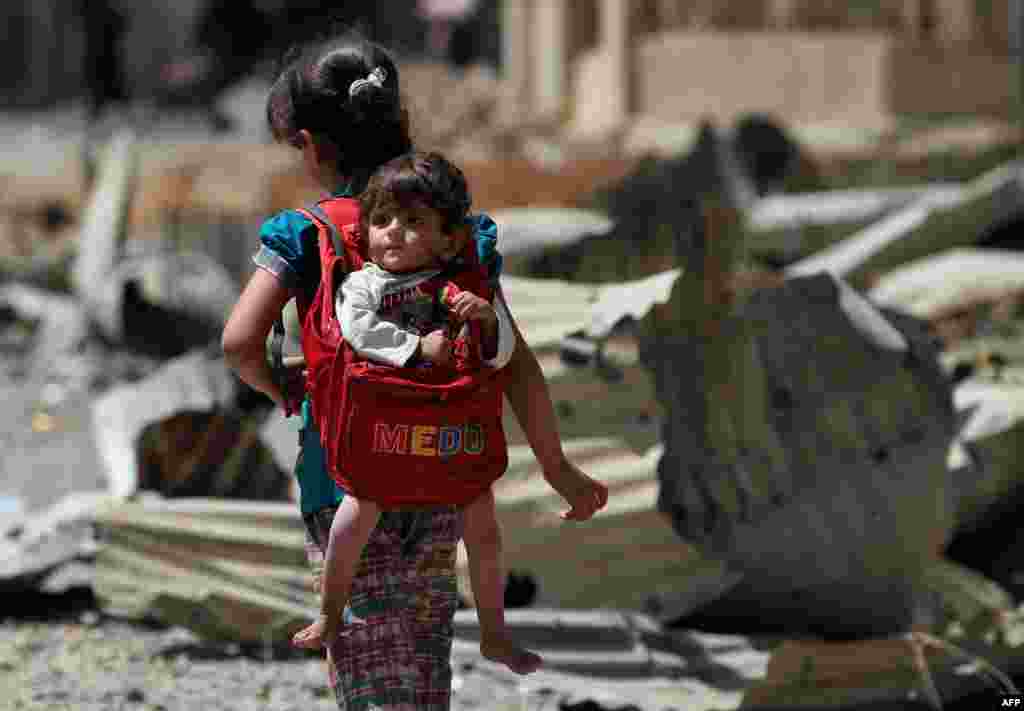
(405, 238)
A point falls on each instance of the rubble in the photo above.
(613, 658)
(103, 234)
(529, 229)
(227, 570)
(956, 279)
(935, 221)
(870, 673)
(33, 549)
(789, 211)
(798, 424)
(198, 382)
(542, 541)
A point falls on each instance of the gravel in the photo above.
(58, 652)
(96, 664)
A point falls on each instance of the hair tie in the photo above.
(375, 78)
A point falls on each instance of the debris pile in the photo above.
(813, 449)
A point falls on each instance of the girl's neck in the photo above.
(343, 186)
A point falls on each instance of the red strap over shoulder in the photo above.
(339, 245)
(343, 213)
(338, 220)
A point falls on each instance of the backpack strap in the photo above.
(321, 217)
(348, 253)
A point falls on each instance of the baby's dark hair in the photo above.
(429, 177)
(345, 89)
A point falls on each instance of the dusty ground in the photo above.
(58, 652)
(78, 660)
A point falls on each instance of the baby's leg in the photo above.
(350, 530)
(483, 544)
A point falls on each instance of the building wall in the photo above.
(924, 80)
(803, 76)
(684, 76)
(860, 79)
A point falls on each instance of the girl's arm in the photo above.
(244, 339)
(528, 394)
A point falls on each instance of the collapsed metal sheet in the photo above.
(527, 229)
(775, 212)
(878, 247)
(952, 279)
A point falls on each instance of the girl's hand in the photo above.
(436, 348)
(467, 306)
(585, 495)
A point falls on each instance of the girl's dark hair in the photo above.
(316, 90)
(429, 177)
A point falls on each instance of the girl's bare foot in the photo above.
(311, 637)
(504, 651)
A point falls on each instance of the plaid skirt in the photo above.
(394, 650)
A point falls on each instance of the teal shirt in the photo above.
(288, 249)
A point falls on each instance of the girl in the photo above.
(414, 218)
(395, 646)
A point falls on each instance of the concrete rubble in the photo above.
(774, 434)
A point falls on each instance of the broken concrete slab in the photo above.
(39, 544)
(59, 329)
(199, 382)
(787, 454)
(171, 300)
(103, 233)
(124, 294)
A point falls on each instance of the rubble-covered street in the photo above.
(799, 368)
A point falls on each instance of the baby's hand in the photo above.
(467, 306)
(436, 348)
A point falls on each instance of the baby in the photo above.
(415, 220)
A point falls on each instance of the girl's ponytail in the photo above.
(346, 90)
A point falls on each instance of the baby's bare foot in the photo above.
(507, 652)
(585, 495)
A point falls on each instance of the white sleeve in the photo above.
(369, 335)
(506, 335)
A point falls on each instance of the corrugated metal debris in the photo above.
(938, 220)
(530, 229)
(227, 570)
(802, 426)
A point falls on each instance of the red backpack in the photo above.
(401, 437)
